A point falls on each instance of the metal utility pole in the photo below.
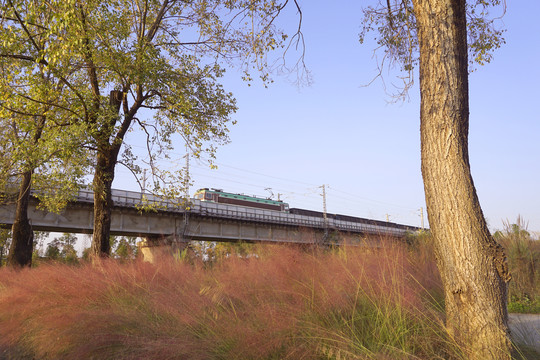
(422, 217)
(144, 181)
(143, 185)
(324, 201)
(186, 196)
(186, 181)
(325, 217)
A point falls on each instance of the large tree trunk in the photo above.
(471, 263)
(22, 240)
(103, 178)
(107, 157)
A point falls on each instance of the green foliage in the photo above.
(524, 305)
(212, 252)
(5, 242)
(395, 32)
(53, 250)
(38, 127)
(163, 57)
(38, 250)
(76, 77)
(63, 249)
(523, 253)
(86, 254)
(124, 248)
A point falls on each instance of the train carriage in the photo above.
(219, 196)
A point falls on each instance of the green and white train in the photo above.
(219, 196)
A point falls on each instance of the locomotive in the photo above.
(219, 196)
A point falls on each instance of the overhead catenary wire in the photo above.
(219, 164)
(294, 191)
(311, 196)
(288, 181)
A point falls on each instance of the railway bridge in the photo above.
(171, 225)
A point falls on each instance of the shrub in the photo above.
(523, 253)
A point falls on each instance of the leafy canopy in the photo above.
(151, 67)
(37, 127)
(395, 33)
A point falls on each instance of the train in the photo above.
(353, 219)
(219, 196)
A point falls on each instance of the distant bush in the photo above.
(523, 255)
(523, 252)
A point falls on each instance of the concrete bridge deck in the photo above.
(195, 220)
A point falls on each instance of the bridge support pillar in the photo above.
(155, 249)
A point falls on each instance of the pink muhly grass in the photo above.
(283, 303)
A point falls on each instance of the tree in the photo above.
(5, 240)
(48, 162)
(523, 253)
(63, 249)
(53, 250)
(125, 248)
(472, 265)
(40, 237)
(67, 242)
(147, 65)
(41, 144)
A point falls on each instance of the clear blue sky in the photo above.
(340, 133)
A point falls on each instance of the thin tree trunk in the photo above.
(22, 236)
(471, 263)
(22, 240)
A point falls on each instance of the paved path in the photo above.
(526, 329)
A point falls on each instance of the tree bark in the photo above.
(107, 157)
(103, 178)
(472, 265)
(22, 240)
(22, 236)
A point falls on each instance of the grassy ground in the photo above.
(283, 303)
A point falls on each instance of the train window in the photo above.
(208, 196)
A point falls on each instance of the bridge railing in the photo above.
(270, 216)
(253, 214)
(132, 199)
(237, 212)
